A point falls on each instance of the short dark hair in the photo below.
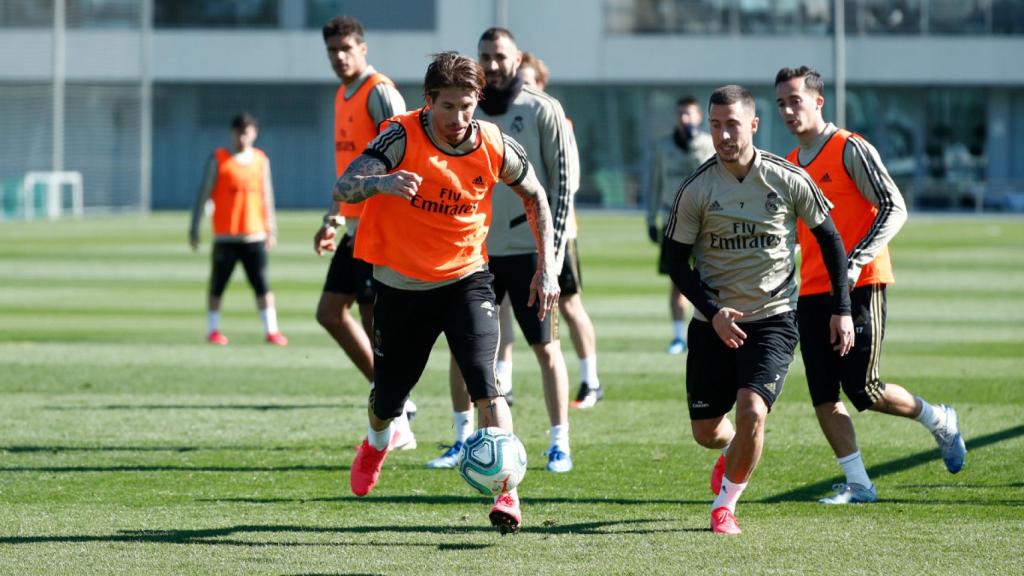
(343, 26)
(453, 70)
(812, 80)
(731, 94)
(243, 121)
(494, 32)
(687, 100)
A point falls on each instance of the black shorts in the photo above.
(570, 280)
(715, 372)
(857, 372)
(254, 259)
(512, 276)
(348, 274)
(406, 323)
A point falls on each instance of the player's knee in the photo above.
(705, 435)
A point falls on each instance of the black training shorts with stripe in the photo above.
(512, 276)
(253, 256)
(348, 274)
(715, 372)
(406, 323)
(857, 372)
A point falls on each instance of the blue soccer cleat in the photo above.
(558, 461)
(677, 346)
(449, 459)
(851, 494)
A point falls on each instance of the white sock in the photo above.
(503, 369)
(269, 317)
(725, 449)
(463, 425)
(212, 320)
(679, 329)
(929, 416)
(378, 439)
(588, 372)
(853, 467)
(560, 437)
(729, 495)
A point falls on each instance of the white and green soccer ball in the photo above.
(492, 460)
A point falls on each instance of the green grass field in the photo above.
(128, 446)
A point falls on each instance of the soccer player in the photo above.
(429, 177)
(238, 183)
(536, 121)
(534, 73)
(737, 216)
(672, 158)
(364, 100)
(869, 211)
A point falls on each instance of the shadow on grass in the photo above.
(813, 491)
(29, 449)
(453, 500)
(255, 407)
(168, 468)
(229, 536)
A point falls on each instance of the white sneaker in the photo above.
(851, 494)
(402, 438)
(449, 459)
(950, 442)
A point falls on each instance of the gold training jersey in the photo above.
(744, 232)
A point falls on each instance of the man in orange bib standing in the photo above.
(364, 100)
(238, 183)
(428, 182)
(868, 213)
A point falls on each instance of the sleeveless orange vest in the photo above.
(353, 130)
(239, 207)
(852, 214)
(438, 235)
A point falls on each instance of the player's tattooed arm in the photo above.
(545, 283)
(367, 176)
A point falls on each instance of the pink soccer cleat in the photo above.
(723, 521)
(215, 337)
(506, 515)
(277, 339)
(366, 468)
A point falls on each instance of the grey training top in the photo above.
(667, 166)
(743, 232)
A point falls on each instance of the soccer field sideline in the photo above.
(129, 446)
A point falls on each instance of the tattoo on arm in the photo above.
(360, 180)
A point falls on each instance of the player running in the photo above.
(869, 211)
(737, 215)
(429, 179)
(239, 184)
(536, 121)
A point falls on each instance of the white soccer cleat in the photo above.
(950, 442)
(851, 494)
(449, 459)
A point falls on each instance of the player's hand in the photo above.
(725, 326)
(840, 330)
(193, 241)
(402, 183)
(270, 242)
(323, 240)
(652, 233)
(544, 290)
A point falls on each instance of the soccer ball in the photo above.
(492, 460)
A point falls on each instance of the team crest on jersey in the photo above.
(517, 125)
(772, 203)
(715, 207)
